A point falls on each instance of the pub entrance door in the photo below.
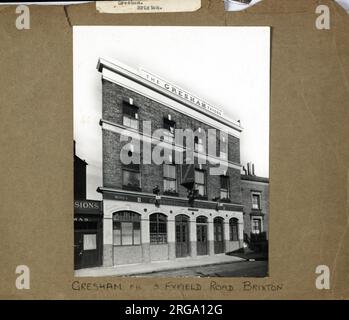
(218, 235)
(201, 236)
(182, 236)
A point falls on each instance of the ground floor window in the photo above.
(158, 228)
(234, 229)
(126, 228)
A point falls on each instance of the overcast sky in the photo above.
(228, 67)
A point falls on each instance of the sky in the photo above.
(229, 67)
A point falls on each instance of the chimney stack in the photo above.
(253, 169)
(249, 168)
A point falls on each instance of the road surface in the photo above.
(234, 269)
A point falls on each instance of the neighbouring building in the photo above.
(147, 215)
(255, 199)
(88, 221)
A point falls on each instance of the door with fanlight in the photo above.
(182, 236)
(218, 224)
(201, 236)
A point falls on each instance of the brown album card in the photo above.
(174, 150)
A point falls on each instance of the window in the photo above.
(131, 177)
(201, 219)
(256, 226)
(130, 116)
(198, 144)
(234, 229)
(256, 201)
(169, 126)
(158, 228)
(223, 147)
(224, 187)
(200, 182)
(170, 178)
(126, 228)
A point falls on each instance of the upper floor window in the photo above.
(199, 144)
(126, 228)
(130, 116)
(170, 178)
(223, 147)
(131, 177)
(256, 226)
(158, 228)
(170, 126)
(200, 182)
(256, 201)
(224, 192)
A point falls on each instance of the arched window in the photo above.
(201, 219)
(126, 228)
(158, 228)
(234, 229)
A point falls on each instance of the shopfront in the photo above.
(88, 234)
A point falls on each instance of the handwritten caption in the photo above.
(215, 286)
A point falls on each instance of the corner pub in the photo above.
(147, 215)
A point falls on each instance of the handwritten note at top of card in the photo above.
(147, 6)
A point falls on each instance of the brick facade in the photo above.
(121, 87)
(152, 175)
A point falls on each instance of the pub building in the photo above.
(157, 212)
(88, 221)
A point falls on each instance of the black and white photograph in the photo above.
(171, 151)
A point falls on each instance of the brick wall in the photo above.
(152, 175)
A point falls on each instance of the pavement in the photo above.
(251, 269)
(157, 266)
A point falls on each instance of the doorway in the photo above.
(218, 235)
(201, 236)
(182, 236)
(87, 242)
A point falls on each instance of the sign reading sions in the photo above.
(179, 92)
(88, 205)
